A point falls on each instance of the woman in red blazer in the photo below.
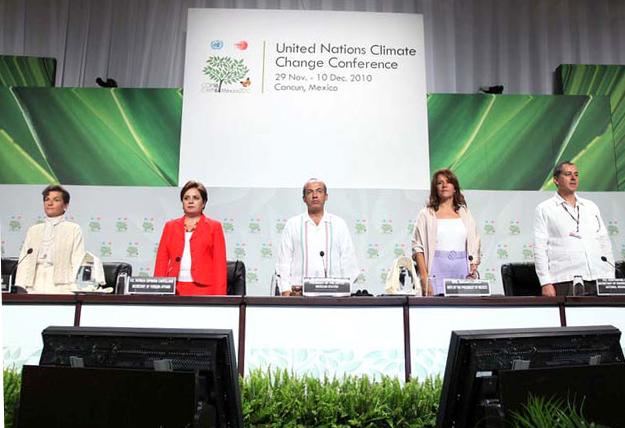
(192, 248)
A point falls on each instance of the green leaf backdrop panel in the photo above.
(512, 142)
(21, 152)
(93, 136)
(601, 80)
(27, 71)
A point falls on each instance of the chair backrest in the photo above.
(520, 279)
(620, 269)
(236, 278)
(9, 268)
(112, 272)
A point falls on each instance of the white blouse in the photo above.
(185, 261)
(451, 234)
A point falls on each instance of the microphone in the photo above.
(477, 274)
(14, 272)
(605, 259)
(325, 269)
(28, 252)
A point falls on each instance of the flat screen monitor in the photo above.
(207, 353)
(68, 397)
(470, 395)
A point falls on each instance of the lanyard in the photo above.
(576, 220)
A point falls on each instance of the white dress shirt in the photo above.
(301, 246)
(570, 241)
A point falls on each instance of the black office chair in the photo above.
(9, 268)
(520, 279)
(113, 275)
(236, 278)
(620, 269)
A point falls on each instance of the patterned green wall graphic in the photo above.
(512, 142)
(117, 137)
(27, 71)
(608, 80)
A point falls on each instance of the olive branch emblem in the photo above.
(224, 69)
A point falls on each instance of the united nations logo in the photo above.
(217, 44)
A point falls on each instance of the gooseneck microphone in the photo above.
(28, 253)
(14, 273)
(325, 268)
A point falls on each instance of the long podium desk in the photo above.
(404, 337)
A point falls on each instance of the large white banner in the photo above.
(272, 98)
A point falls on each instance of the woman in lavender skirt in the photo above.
(445, 242)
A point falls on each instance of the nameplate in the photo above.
(611, 287)
(467, 287)
(150, 285)
(332, 287)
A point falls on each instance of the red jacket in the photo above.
(208, 254)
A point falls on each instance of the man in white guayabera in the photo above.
(570, 238)
(315, 243)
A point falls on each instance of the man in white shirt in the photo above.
(315, 243)
(570, 237)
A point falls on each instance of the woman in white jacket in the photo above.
(445, 242)
(53, 250)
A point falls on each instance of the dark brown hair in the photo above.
(559, 167)
(435, 202)
(194, 185)
(56, 188)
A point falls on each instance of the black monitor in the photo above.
(68, 397)
(207, 353)
(470, 396)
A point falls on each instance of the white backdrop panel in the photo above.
(354, 125)
(21, 330)
(152, 316)
(430, 330)
(333, 341)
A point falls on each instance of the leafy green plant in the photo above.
(277, 399)
(540, 412)
(12, 383)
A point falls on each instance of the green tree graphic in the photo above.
(224, 69)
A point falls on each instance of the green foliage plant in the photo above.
(540, 412)
(280, 399)
(12, 381)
